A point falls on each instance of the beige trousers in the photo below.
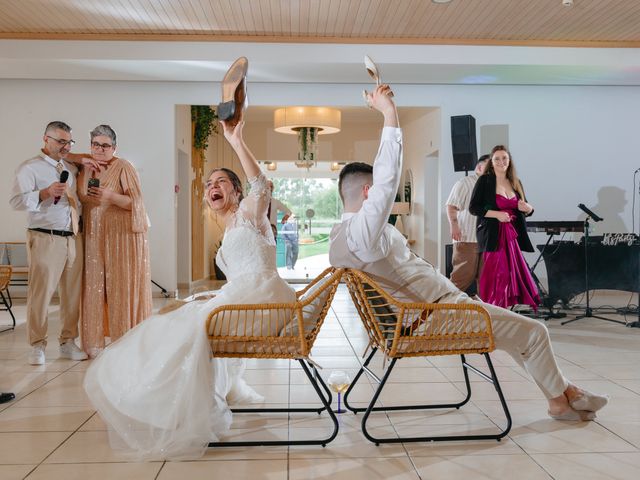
(466, 264)
(54, 262)
(526, 341)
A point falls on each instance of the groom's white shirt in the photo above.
(366, 241)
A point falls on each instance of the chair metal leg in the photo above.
(503, 402)
(363, 369)
(318, 385)
(465, 366)
(329, 397)
(465, 371)
(8, 302)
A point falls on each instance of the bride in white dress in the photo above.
(157, 388)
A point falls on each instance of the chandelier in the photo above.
(307, 123)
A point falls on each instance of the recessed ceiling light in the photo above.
(440, 1)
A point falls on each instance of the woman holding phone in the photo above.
(117, 280)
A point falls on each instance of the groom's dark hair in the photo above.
(353, 169)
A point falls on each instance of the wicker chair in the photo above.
(15, 255)
(401, 329)
(5, 295)
(278, 331)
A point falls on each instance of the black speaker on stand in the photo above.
(463, 143)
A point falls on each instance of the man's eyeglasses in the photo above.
(63, 143)
(103, 146)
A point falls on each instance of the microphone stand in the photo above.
(588, 313)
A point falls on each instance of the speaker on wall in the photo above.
(463, 142)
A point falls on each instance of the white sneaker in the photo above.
(70, 350)
(36, 357)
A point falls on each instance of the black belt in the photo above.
(60, 233)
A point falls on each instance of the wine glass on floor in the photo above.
(339, 382)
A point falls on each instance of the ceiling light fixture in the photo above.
(440, 1)
(567, 3)
(307, 123)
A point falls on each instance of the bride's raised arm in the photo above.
(254, 206)
(236, 140)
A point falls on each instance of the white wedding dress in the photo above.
(157, 388)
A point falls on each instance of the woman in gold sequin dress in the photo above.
(117, 281)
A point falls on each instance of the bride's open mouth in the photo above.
(215, 196)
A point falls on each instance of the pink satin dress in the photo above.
(505, 279)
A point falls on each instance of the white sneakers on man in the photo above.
(36, 357)
(70, 350)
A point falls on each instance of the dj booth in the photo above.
(613, 261)
(611, 267)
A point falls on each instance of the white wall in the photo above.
(421, 131)
(184, 175)
(568, 142)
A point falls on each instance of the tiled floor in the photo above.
(51, 431)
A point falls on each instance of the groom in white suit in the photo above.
(365, 241)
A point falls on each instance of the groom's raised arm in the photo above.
(365, 235)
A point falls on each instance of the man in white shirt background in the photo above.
(54, 243)
(364, 240)
(466, 257)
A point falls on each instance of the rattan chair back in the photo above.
(273, 330)
(5, 276)
(404, 329)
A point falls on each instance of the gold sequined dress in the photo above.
(116, 292)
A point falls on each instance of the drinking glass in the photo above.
(339, 382)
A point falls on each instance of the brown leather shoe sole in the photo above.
(234, 92)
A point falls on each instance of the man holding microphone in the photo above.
(45, 186)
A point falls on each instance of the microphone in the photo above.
(595, 217)
(63, 179)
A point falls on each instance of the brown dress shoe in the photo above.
(234, 93)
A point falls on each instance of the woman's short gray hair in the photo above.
(104, 131)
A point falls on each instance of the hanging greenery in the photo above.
(204, 118)
(307, 137)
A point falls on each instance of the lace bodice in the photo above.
(248, 246)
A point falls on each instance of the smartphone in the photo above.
(94, 182)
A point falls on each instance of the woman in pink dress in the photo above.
(499, 202)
